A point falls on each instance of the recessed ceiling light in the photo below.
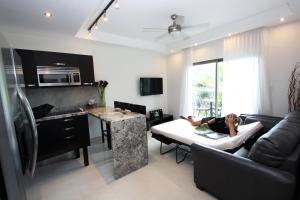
(282, 19)
(229, 34)
(195, 44)
(47, 14)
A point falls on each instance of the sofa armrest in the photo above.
(231, 177)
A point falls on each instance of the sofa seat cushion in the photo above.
(276, 145)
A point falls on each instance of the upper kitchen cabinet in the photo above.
(44, 58)
(29, 68)
(86, 69)
(50, 69)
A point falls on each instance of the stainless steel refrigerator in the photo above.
(18, 134)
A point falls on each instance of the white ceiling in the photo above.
(68, 15)
(125, 26)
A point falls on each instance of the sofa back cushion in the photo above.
(268, 122)
(274, 147)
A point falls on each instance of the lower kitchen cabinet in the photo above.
(57, 136)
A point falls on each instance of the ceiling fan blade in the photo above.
(162, 36)
(153, 31)
(199, 26)
(184, 36)
(154, 28)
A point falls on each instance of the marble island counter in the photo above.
(109, 114)
(128, 139)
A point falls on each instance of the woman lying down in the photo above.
(226, 125)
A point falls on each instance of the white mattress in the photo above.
(181, 130)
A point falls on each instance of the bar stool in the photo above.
(106, 133)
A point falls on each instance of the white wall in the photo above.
(120, 66)
(283, 53)
(209, 51)
(175, 70)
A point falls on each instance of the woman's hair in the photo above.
(236, 119)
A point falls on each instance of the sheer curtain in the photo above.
(185, 107)
(245, 82)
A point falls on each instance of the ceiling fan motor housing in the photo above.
(174, 28)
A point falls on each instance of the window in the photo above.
(206, 79)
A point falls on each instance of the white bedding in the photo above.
(181, 130)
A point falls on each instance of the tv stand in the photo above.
(159, 120)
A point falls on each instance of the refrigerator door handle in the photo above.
(29, 113)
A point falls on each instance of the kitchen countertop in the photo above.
(63, 113)
(109, 114)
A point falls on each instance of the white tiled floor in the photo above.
(162, 178)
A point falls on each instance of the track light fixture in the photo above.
(105, 18)
(96, 27)
(117, 5)
(104, 14)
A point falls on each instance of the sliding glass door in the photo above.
(206, 79)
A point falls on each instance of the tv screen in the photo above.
(151, 86)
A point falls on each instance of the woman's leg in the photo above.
(206, 119)
(192, 121)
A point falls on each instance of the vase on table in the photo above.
(101, 85)
(102, 102)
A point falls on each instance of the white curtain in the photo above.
(245, 81)
(185, 107)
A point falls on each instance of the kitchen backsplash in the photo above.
(62, 96)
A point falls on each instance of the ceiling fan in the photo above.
(176, 28)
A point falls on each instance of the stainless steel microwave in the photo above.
(58, 76)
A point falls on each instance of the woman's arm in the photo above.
(232, 131)
(212, 121)
(231, 126)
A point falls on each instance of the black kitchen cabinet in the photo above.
(29, 67)
(45, 58)
(59, 136)
(31, 59)
(86, 70)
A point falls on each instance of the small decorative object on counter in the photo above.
(91, 103)
(101, 85)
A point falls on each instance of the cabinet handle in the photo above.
(87, 83)
(59, 64)
(70, 128)
(31, 85)
(70, 137)
(67, 120)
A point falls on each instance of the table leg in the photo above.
(77, 153)
(102, 131)
(85, 156)
(108, 135)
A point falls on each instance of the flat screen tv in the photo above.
(151, 86)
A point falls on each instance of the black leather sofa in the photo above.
(269, 171)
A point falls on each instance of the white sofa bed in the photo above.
(181, 132)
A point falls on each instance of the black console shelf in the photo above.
(158, 120)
